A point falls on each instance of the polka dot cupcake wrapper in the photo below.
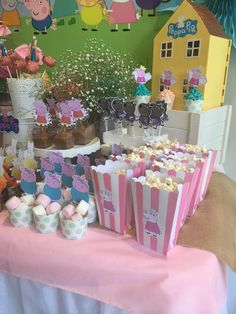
(92, 216)
(73, 230)
(46, 223)
(21, 218)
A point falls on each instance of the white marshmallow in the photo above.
(82, 208)
(39, 210)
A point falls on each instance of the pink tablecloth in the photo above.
(116, 270)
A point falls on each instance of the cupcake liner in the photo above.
(46, 223)
(73, 230)
(21, 218)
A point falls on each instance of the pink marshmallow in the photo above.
(77, 216)
(68, 211)
(43, 200)
(53, 208)
(12, 203)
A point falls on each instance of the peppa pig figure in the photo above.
(66, 118)
(77, 109)
(140, 75)
(41, 114)
(195, 78)
(40, 15)
(10, 15)
(52, 187)
(108, 206)
(80, 189)
(168, 79)
(82, 162)
(151, 226)
(28, 181)
(58, 160)
(46, 165)
(68, 171)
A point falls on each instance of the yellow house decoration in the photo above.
(192, 38)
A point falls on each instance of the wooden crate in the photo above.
(209, 128)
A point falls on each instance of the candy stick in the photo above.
(159, 133)
(9, 72)
(106, 125)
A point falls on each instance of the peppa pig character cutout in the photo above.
(40, 15)
(195, 78)
(77, 109)
(82, 162)
(52, 187)
(66, 116)
(151, 226)
(123, 12)
(140, 75)
(46, 165)
(129, 109)
(88, 176)
(52, 107)
(68, 171)
(80, 189)
(42, 117)
(57, 159)
(28, 181)
(168, 79)
(10, 15)
(108, 206)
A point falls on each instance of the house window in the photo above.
(193, 49)
(162, 86)
(166, 50)
(186, 88)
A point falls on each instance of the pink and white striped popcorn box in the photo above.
(158, 212)
(189, 174)
(112, 184)
(205, 162)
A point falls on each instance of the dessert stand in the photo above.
(91, 147)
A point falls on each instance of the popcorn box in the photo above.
(199, 160)
(158, 213)
(113, 194)
(190, 177)
(212, 154)
(46, 223)
(21, 218)
(73, 229)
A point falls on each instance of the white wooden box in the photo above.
(209, 128)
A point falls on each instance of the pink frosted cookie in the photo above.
(68, 211)
(12, 203)
(43, 200)
(53, 208)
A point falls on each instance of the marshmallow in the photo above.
(43, 200)
(39, 210)
(53, 208)
(27, 199)
(22, 207)
(69, 211)
(77, 216)
(12, 203)
(66, 193)
(82, 208)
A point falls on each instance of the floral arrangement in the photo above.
(95, 72)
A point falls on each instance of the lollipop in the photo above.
(32, 67)
(20, 64)
(49, 61)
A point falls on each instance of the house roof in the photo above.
(213, 26)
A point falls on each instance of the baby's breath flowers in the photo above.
(94, 72)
